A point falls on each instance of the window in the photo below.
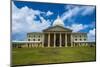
(75, 39)
(39, 36)
(38, 39)
(29, 36)
(33, 39)
(75, 36)
(34, 36)
(28, 39)
(80, 39)
(84, 35)
(80, 35)
(84, 39)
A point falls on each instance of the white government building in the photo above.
(54, 36)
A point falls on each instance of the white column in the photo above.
(43, 40)
(17, 45)
(32, 45)
(71, 41)
(79, 44)
(74, 44)
(86, 44)
(35, 45)
(26, 45)
(65, 39)
(60, 40)
(48, 39)
(54, 40)
(82, 44)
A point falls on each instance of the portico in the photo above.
(57, 39)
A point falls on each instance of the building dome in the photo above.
(58, 21)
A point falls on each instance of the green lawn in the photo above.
(24, 56)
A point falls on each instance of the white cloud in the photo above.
(70, 13)
(77, 27)
(75, 10)
(49, 13)
(23, 20)
(91, 35)
(87, 10)
(92, 25)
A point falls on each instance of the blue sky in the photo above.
(36, 16)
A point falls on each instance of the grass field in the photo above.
(26, 56)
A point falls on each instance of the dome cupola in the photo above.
(58, 22)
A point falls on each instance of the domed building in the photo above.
(54, 36)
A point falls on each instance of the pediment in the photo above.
(57, 29)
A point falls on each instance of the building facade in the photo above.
(54, 36)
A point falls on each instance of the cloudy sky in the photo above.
(34, 17)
